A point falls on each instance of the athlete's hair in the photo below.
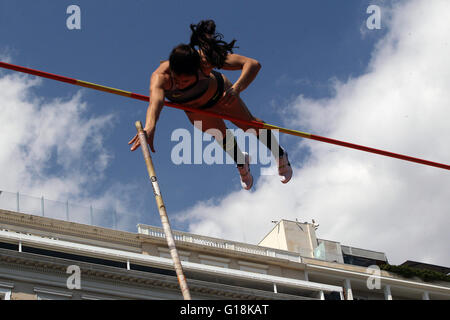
(205, 37)
(184, 59)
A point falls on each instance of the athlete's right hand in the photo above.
(150, 134)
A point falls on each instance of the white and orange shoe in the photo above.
(284, 168)
(244, 171)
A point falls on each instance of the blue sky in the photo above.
(306, 48)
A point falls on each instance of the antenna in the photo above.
(315, 225)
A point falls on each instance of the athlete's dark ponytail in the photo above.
(210, 43)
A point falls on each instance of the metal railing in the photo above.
(220, 243)
(67, 211)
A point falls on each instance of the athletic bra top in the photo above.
(190, 93)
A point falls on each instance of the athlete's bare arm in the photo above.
(158, 81)
(250, 68)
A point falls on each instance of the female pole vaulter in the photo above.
(189, 78)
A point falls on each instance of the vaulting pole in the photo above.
(162, 212)
(254, 124)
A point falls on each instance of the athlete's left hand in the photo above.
(230, 96)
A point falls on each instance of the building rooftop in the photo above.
(426, 266)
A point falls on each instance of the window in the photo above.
(333, 296)
(70, 256)
(165, 253)
(254, 270)
(51, 294)
(5, 294)
(91, 297)
(253, 267)
(5, 290)
(359, 261)
(214, 261)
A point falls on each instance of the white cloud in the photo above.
(401, 104)
(35, 133)
(54, 148)
(5, 54)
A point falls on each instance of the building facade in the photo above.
(44, 258)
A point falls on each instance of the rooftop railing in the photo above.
(220, 243)
(68, 211)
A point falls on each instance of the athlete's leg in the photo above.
(238, 109)
(225, 138)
